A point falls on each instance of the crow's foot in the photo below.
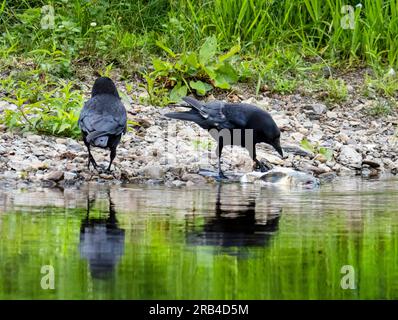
(262, 166)
(219, 176)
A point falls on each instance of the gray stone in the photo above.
(327, 177)
(10, 174)
(68, 175)
(368, 172)
(350, 157)
(34, 138)
(54, 176)
(178, 183)
(344, 171)
(296, 150)
(154, 172)
(5, 105)
(193, 178)
(73, 145)
(282, 121)
(314, 111)
(273, 159)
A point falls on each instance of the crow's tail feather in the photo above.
(94, 135)
(193, 102)
(98, 138)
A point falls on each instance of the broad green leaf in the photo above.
(306, 145)
(178, 93)
(230, 53)
(200, 87)
(225, 76)
(328, 153)
(192, 60)
(160, 65)
(221, 82)
(208, 50)
(210, 71)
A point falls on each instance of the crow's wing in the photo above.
(211, 113)
(104, 115)
(239, 114)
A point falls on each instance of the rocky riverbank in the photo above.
(166, 151)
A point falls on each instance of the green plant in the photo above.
(44, 110)
(201, 144)
(385, 84)
(279, 44)
(382, 107)
(336, 90)
(317, 149)
(157, 94)
(283, 86)
(193, 71)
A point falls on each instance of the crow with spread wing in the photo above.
(246, 124)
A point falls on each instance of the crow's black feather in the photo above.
(218, 115)
(103, 118)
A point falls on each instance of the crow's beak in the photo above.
(278, 148)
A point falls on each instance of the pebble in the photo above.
(350, 157)
(54, 176)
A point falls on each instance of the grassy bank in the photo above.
(125, 31)
(179, 46)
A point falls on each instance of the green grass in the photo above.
(125, 28)
(275, 44)
(382, 107)
(125, 31)
(336, 90)
(42, 105)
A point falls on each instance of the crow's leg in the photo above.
(90, 157)
(261, 166)
(92, 160)
(112, 155)
(258, 165)
(221, 175)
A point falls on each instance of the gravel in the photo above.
(172, 152)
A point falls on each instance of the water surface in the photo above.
(213, 242)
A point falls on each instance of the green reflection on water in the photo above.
(228, 243)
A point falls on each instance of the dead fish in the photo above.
(282, 177)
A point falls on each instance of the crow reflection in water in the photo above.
(235, 227)
(101, 242)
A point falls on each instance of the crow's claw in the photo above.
(262, 166)
(217, 176)
(220, 177)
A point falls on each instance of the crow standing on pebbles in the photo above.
(248, 120)
(103, 119)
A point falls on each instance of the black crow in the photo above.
(101, 241)
(245, 125)
(234, 224)
(103, 119)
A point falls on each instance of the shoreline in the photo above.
(358, 145)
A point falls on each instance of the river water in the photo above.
(215, 242)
